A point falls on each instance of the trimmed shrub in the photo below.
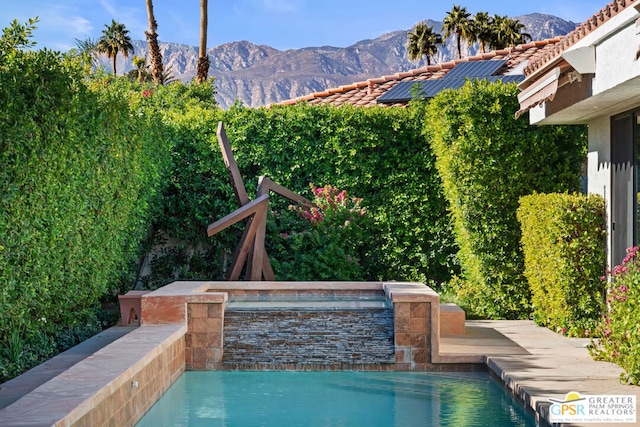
(81, 168)
(563, 240)
(198, 193)
(618, 332)
(377, 154)
(487, 160)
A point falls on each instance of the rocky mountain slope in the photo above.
(260, 75)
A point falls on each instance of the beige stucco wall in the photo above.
(598, 165)
(616, 59)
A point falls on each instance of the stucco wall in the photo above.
(616, 59)
(599, 166)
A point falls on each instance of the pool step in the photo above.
(307, 337)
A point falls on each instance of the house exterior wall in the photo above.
(599, 167)
(616, 59)
(607, 57)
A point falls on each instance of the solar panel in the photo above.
(508, 79)
(405, 91)
(402, 92)
(475, 69)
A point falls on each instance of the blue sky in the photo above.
(283, 24)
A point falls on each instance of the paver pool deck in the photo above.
(534, 363)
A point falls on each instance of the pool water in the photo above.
(309, 299)
(345, 398)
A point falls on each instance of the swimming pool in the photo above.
(347, 398)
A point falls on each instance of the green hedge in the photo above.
(487, 160)
(81, 168)
(563, 240)
(376, 154)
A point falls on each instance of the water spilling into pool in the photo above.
(346, 398)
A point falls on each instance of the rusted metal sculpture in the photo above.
(250, 251)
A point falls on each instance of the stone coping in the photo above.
(167, 304)
(400, 291)
(410, 292)
(69, 396)
(295, 286)
(18, 387)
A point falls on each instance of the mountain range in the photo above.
(258, 75)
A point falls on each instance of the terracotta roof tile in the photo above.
(365, 93)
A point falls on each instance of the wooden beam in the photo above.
(250, 250)
(265, 185)
(258, 245)
(248, 244)
(232, 167)
(239, 214)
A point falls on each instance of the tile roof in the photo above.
(590, 25)
(365, 93)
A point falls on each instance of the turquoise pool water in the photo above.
(385, 399)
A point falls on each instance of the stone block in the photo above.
(401, 309)
(131, 306)
(420, 309)
(452, 320)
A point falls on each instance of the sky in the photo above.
(282, 24)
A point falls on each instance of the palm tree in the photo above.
(115, 38)
(154, 49)
(516, 35)
(87, 48)
(422, 42)
(482, 23)
(457, 22)
(140, 62)
(203, 59)
(507, 32)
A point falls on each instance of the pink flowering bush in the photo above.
(324, 240)
(331, 203)
(619, 330)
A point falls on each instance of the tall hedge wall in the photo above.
(376, 154)
(81, 168)
(563, 240)
(488, 160)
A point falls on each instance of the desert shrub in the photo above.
(563, 240)
(618, 332)
(487, 160)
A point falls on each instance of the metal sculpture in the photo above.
(250, 252)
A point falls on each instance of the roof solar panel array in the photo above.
(454, 79)
(475, 69)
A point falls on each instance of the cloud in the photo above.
(59, 22)
(134, 18)
(73, 24)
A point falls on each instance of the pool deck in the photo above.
(537, 364)
(534, 363)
